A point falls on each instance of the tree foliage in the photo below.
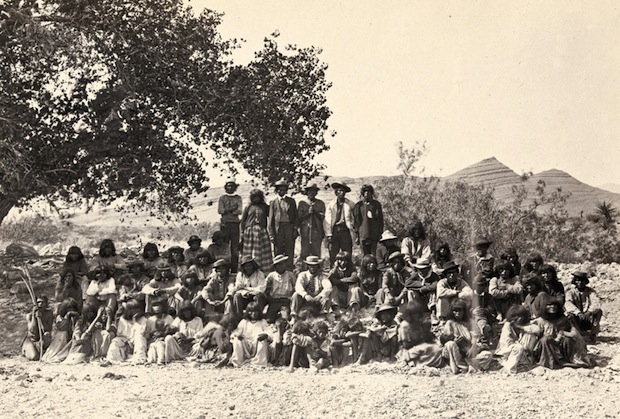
(121, 99)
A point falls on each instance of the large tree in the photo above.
(121, 98)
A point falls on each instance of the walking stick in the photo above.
(30, 288)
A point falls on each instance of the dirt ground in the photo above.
(192, 390)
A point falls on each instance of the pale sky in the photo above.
(534, 83)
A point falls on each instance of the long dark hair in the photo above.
(74, 249)
(150, 246)
(364, 272)
(107, 243)
(417, 224)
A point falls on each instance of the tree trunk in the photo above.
(6, 204)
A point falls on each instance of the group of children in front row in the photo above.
(156, 310)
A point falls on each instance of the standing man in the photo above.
(311, 217)
(283, 223)
(338, 225)
(368, 216)
(229, 207)
(471, 267)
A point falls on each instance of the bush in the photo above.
(34, 229)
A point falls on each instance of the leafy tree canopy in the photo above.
(121, 99)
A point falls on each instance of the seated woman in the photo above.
(370, 279)
(535, 297)
(380, 341)
(505, 288)
(157, 328)
(66, 318)
(121, 344)
(68, 286)
(176, 261)
(108, 258)
(249, 286)
(102, 290)
(583, 306)
(418, 347)
(561, 343)
(517, 340)
(75, 261)
(88, 340)
(186, 326)
(552, 286)
(39, 335)
(251, 339)
(212, 344)
(151, 258)
(346, 290)
(279, 288)
(462, 347)
(219, 248)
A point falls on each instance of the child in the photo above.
(157, 327)
(505, 288)
(185, 326)
(417, 340)
(319, 351)
(190, 291)
(138, 338)
(370, 278)
(121, 345)
(87, 339)
(517, 340)
(301, 340)
(380, 341)
(461, 347)
(251, 339)
(212, 344)
(280, 285)
(345, 335)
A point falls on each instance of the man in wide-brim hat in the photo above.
(388, 244)
(393, 289)
(217, 294)
(280, 287)
(283, 222)
(339, 223)
(195, 247)
(583, 306)
(249, 286)
(229, 207)
(471, 267)
(312, 287)
(450, 288)
(311, 218)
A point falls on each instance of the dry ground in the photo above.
(377, 390)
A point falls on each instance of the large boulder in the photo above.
(21, 250)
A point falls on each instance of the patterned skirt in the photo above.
(257, 245)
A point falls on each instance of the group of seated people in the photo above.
(427, 310)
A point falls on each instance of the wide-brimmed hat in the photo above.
(220, 262)
(192, 239)
(312, 260)
(279, 258)
(338, 185)
(312, 186)
(247, 259)
(580, 275)
(387, 235)
(163, 266)
(395, 255)
(281, 182)
(385, 307)
(422, 263)
(450, 266)
(175, 249)
(231, 181)
(482, 241)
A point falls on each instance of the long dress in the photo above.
(249, 348)
(177, 347)
(256, 243)
(61, 340)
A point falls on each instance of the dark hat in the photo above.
(164, 266)
(395, 255)
(221, 262)
(337, 185)
(385, 307)
(247, 259)
(281, 182)
(482, 241)
(218, 234)
(279, 258)
(231, 181)
(191, 239)
(313, 186)
(450, 266)
(580, 275)
(312, 260)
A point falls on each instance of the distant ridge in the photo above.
(491, 172)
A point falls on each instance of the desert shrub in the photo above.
(456, 212)
(182, 231)
(35, 229)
